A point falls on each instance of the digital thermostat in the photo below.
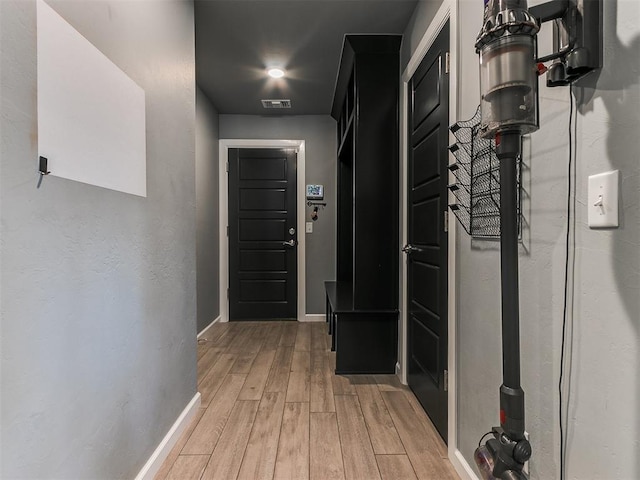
(315, 192)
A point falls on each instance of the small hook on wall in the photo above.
(315, 205)
(42, 167)
(42, 170)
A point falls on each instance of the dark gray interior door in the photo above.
(427, 237)
(262, 234)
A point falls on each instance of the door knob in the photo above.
(290, 243)
(408, 248)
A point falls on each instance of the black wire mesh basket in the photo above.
(477, 184)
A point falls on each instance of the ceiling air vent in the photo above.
(284, 103)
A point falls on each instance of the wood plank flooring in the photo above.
(272, 409)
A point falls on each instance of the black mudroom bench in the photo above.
(365, 341)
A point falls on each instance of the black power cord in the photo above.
(568, 269)
(483, 437)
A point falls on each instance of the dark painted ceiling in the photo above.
(237, 40)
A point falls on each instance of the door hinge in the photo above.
(227, 230)
(227, 166)
(228, 297)
(446, 380)
(446, 220)
(447, 62)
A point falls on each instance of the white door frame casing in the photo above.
(224, 146)
(448, 11)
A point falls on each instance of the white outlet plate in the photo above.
(602, 200)
(308, 227)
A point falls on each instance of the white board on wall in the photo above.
(91, 115)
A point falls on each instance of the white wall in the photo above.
(604, 396)
(208, 241)
(98, 287)
(319, 133)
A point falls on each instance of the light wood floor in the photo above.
(272, 408)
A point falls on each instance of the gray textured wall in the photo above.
(604, 423)
(208, 241)
(98, 287)
(417, 26)
(319, 132)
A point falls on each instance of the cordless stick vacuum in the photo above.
(508, 79)
(509, 104)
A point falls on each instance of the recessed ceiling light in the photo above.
(276, 73)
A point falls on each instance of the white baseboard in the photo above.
(313, 317)
(399, 374)
(170, 439)
(208, 327)
(462, 467)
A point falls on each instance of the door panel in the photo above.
(263, 260)
(252, 229)
(427, 298)
(426, 351)
(257, 168)
(426, 213)
(263, 199)
(427, 203)
(262, 212)
(263, 291)
(426, 171)
(427, 94)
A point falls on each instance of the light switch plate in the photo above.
(308, 227)
(602, 200)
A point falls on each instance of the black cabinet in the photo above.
(364, 316)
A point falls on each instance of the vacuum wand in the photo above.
(511, 394)
(504, 455)
(514, 450)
